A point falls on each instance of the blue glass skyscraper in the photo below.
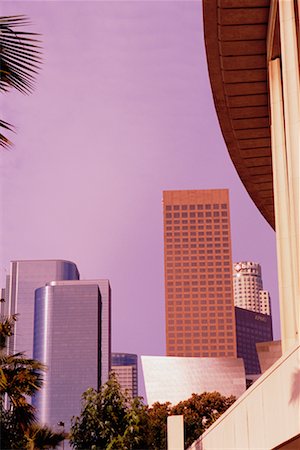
(72, 337)
(26, 276)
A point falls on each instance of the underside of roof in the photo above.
(235, 37)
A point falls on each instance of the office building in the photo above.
(124, 365)
(198, 274)
(24, 278)
(105, 294)
(174, 379)
(248, 288)
(252, 51)
(67, 338)
(251, 328)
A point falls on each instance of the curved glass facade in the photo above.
(67, 339)
(25, 277)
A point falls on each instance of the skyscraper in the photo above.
(248, 288)
(67, 338)
(251, 328)
(125, 367)
(25, 277)
(105, 296)
(198, 273)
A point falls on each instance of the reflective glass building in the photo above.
(251, 327)
(105, 294)
(67, 338)
(174, 379)
(25, 277)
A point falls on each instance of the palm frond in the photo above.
(24, 414)
(20, 60)
(44, 437)
(20, 55)
(4, 141)
(19, 360)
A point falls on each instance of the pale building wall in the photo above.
(175, 427)
(283, 74)
(265, 416)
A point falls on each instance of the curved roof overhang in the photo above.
(235, 34)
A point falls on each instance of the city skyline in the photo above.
(84, 190)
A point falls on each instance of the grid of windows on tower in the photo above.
(198, 280)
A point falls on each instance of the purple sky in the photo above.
(121, 111)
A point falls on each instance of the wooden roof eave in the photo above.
(240, 158)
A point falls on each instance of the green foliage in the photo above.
(108, 420)
(200, 411)
(20, 377)
(157, 425)
(36, 437)
(11, 434)
(6, 329)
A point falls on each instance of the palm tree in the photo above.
(20, 58)
(43, 437)
(20, 377)
(6, 329)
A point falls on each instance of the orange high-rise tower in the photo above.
(198, 273)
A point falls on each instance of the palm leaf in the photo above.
(6, 323)
(20, 55)
(20, 59)
(24, 414)
(4, 141)
(43, 437)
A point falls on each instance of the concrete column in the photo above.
(291, 104)
(175, 433)
(286, 272)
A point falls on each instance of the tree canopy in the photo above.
(110, 420)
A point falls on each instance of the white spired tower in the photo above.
(248, 288)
